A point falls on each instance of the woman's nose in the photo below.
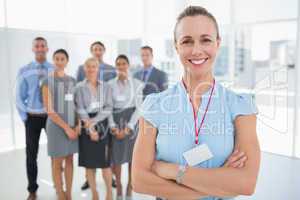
(197, 49)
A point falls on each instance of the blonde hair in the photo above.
(193, 11)
(91, 60)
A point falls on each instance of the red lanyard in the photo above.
(197, 131)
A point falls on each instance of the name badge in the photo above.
(197, 155)
(95, 104)
(120, 98)
(69, 97)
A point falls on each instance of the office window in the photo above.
(47, 15)
(6, 140)
(116, 18)
(2, 12)
(265, 62)
(220, 9)
(266, 10)
(159, 18)
(221, 67)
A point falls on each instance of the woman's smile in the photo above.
(199, 62)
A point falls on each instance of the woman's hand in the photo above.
(169, 170)
(127, 131)
(121, 135)
(87, 123)
(78, 128)
(94, 136)
(114, 131)
(72, 135)
(236, 160)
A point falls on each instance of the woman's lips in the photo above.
(198, 62)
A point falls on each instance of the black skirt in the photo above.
(95, 154)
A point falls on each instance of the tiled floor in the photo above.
(279, 178)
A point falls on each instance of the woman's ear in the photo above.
(176, 47)
(218, 42)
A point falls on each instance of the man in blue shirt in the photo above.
(31, 109)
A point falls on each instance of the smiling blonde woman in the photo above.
(197, 139)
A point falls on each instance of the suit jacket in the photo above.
(157, 81)
(108, 72)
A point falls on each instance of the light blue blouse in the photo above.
(171, 113)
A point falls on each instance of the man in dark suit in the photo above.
(155, 80)
(106, 72)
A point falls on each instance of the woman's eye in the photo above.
(187, 42)
(206, 40)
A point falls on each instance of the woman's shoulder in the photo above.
(137, 83)
(70, 78)
(233, 95)
(47, 79)
(239, 102)
(105, 84)
(80, 86)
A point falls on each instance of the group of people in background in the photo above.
(94, 115)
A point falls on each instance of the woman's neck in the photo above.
(59, 73)
(197, 86)
(123, 77)
(93, 82)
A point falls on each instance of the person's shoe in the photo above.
(32, 196)
(113, 183)
(85, 186)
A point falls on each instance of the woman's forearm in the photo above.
(144, 178)
(216, 181)
(47, 101)
(225, 181)
(102, 114)
(148, 182)
(58, 120)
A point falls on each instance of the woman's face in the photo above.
(60, 60)
(197, 44)
(91, 70)
(122, 67)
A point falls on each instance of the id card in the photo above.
(197, 155)
(95, 104)
(120, 98)
(69, 97)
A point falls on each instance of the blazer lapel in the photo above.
(140, 75)
(152, 75)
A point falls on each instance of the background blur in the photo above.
(259, 53)
(259, 50)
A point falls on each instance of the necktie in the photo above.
(145, 75)
(101, 73)
(41, 74)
